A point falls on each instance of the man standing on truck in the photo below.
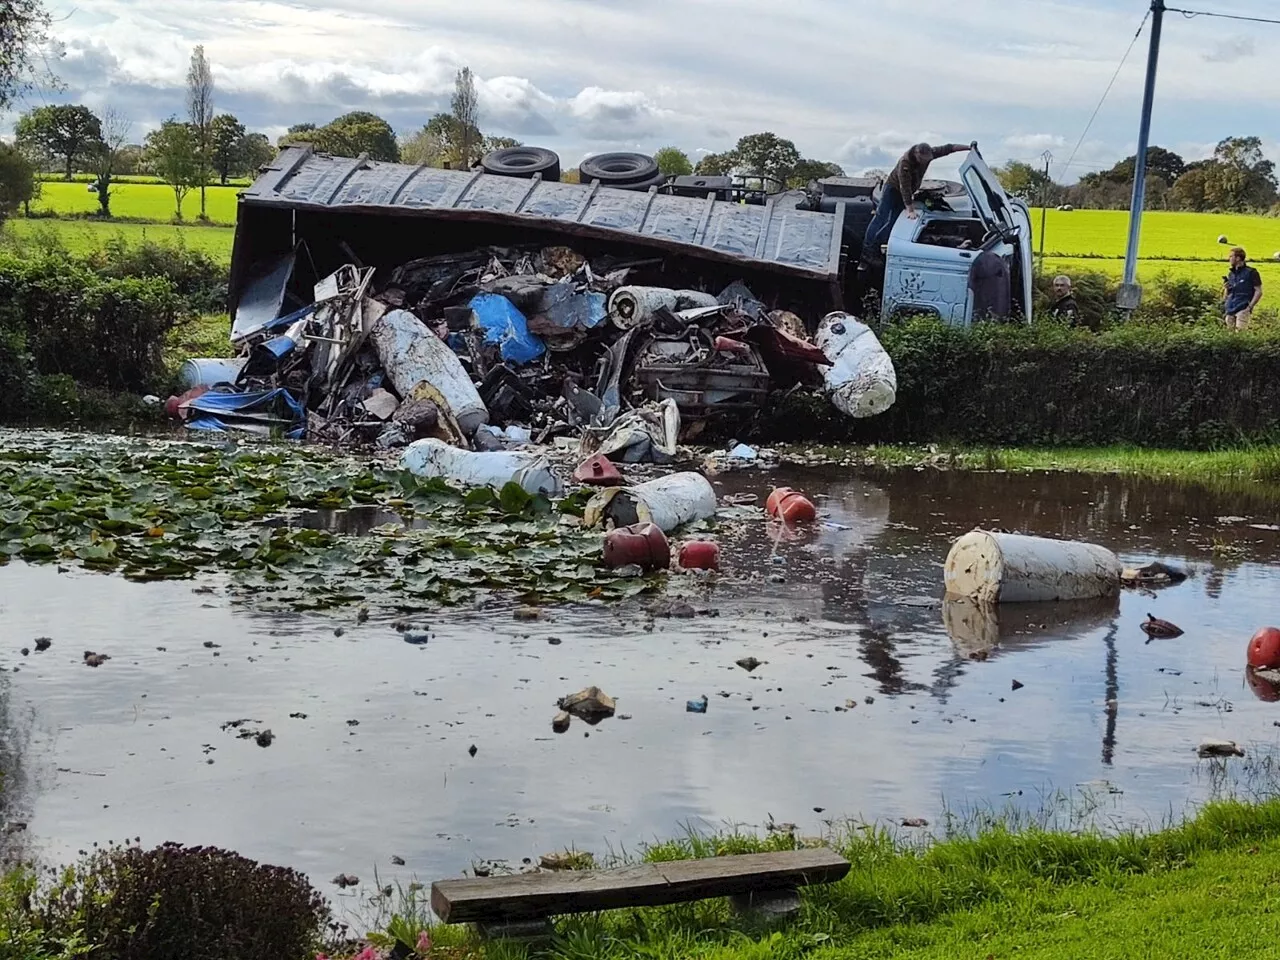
(899, 193)
(1241, 290)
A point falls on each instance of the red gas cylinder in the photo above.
(700, 555)
(641, 543)
(1264, 649)
(599, 471)
(1263, 687)
(786, 504)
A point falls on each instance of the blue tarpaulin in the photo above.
(265, 411)
(504, 324)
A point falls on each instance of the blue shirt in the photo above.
(1241, 282)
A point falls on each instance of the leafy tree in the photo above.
(673, 162)
(492, 143)
(173, 154)
(806, 170)
(1023, 180)
(349, 136)
(716, 164)
(255, 152)
(17, 180)
(1160, 161)
(1238, 178)
(24, 25)
(766, 155)
(466, 115)
(200, 112)
(105, 159)
(69, 131)
(226, 142)
(424, 148)
(570, 176)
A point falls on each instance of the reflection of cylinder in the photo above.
(975, 627)
(1009, 568)
(631, 306)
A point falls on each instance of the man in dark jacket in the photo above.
(899, 193)
(1064, 304)
(1241, 290)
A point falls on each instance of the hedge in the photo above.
(59, 318)
(1189, 387)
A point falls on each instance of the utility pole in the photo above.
(1047, 157)
(1130, 294)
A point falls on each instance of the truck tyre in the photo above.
(618, 169)
(522, 162)
(655, 181)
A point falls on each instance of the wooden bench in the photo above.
(522, 905)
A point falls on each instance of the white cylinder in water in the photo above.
(208, 371)
(673, 500)
(861, 378)
(631, 306)
(410, 354)
(989, 567)
(472, 468)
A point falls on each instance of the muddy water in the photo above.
(372, 734)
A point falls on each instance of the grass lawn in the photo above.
(144, 201)
(1207, 888)
(81, 235)
(1202, 272)
(1179, 235)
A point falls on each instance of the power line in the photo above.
(1107, 92)
(1192, 14)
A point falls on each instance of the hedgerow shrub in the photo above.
(1195, 386)
(69, 320)
(194, 903)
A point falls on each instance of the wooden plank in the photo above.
(536, 895)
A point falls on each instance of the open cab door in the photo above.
(1007, 216)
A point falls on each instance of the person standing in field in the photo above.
(1241, 290)
(899, 193)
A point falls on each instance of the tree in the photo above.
(1238, 178)
(716, 164)
(425, 148)
(105, 159)
(349, 136)
(226, 143)
(38, 159)
(673, 162)
(1025, 181)
(766, 155)
(256, 152)
(173, 154)
(807, 170)
(17, 180)
(68, 131)
(465, 107)
(24, 26)
(491, 143)
(200, 113)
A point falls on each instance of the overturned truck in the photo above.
(385, 302)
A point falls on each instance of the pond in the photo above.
(865, 705)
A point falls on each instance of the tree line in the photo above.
(1238, 178)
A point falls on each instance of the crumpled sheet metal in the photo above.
(648, 434)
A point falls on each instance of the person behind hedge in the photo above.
(1241, 290)
(1064, 303)
(899, 193)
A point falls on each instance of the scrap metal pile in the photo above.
(502, 347)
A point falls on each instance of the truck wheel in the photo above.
(522, 162)
(655, 181)
(618, 169)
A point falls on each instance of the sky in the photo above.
(850, 81)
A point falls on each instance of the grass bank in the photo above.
(1209, 887)
(83, 236)
(1249, 465)
(143, 201)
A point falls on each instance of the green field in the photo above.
(143, 201)
(80, 236)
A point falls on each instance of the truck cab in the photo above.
(928, 260)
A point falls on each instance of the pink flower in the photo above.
(424, 943)
(321, 956)
(368, 953)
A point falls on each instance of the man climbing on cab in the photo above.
(899, 193)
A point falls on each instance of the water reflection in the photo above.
(846, 610)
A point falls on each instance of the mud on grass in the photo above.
(155, 510)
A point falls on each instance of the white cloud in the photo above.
(580, 76)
